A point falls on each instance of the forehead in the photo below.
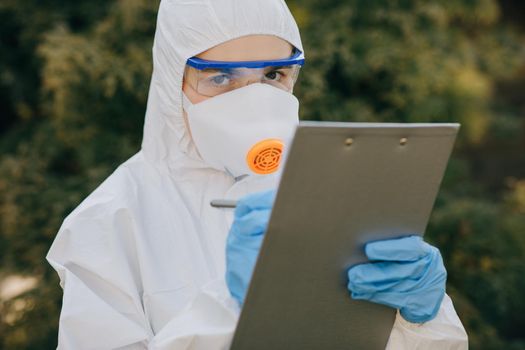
(249, 48)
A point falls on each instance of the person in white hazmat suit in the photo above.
(142, 261)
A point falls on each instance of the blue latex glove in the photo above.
(406, 273)
(244, 240)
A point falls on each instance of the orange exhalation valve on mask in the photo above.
(265, 156)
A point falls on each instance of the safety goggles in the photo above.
(212, 78)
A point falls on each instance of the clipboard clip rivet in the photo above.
(403, 141)
(349, 141)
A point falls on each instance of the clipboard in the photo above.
(343, 184)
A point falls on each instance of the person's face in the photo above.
(248, 48)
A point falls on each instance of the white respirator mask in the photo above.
(245, 131)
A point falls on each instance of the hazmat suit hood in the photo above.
(186, 28)
(142, 259)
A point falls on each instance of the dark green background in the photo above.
(74, 77)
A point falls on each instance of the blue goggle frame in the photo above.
(200, 64)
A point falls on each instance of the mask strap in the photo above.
(186, 103)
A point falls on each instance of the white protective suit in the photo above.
(142, 259)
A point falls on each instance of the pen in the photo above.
(223, 203)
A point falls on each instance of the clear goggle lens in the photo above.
(215, 81)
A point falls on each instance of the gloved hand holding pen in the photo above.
(406, 273)
(244, 240)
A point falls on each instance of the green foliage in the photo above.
(23, 24)
(74, 79)
(429, 61)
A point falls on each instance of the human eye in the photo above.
(221, 79)
(216, 78)
(276, 73)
